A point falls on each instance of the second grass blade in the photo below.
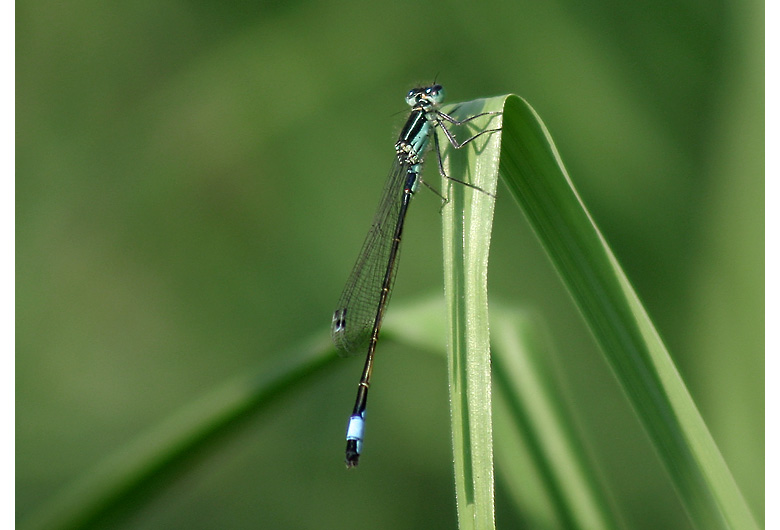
(532, 169)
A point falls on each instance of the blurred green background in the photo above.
(194, 180)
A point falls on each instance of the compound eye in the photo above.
(436, 93)
(413, 97)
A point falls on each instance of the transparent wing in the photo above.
(355, 315)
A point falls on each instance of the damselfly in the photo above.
(361, 307)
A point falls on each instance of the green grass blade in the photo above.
(534, 174)
(138, 471)
(543, 460)
(468, 219)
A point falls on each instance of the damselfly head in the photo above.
(425, 96)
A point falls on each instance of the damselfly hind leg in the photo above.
(454, 142)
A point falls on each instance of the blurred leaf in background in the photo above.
(194, 180)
